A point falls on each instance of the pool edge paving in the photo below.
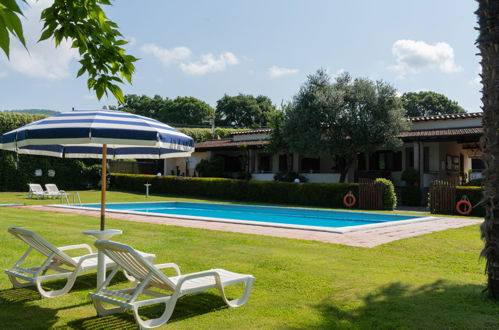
(362, 238)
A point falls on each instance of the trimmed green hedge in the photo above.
(389, 196)
(475, 195)
(410, 196)
(312, 194)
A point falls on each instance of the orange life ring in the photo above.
(350, 197)
(468, 208)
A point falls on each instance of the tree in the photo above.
(429, 103)
(144, 105)
(85, 24)
(488, 45)
(186, 110)
(182, 110)
(343, 119)
(243, 110)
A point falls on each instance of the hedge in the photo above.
(310, 194)
(475, 195)
(389, 196)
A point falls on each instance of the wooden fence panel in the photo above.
(370, 195)
(442, 197)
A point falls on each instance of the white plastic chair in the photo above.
(64, 266)
(36, 190)
(53, 191)
(148, 275)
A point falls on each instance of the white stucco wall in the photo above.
(322, 177)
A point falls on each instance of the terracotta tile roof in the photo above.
(255, 131)
(446, 117)
(227, 143)
(447, 132)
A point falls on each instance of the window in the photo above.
(265, 163)
(426, 159)
(409, 157)
(283, 163)
(386, 161)
(310, 164)
(477, 164)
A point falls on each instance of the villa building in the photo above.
(439, 147)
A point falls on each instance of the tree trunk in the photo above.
(488, 44)
(344, 165)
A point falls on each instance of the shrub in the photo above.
(389, 197)
(410, 176)
(410, 196)
(213, 168)
(313, 194)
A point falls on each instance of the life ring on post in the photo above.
(464, 207)
(349, 200)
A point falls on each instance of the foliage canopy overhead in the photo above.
(84, 23)
(427, 103)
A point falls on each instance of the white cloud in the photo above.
(414, 57)
(167, 56)
(209, 63)
(43, 60)
(182, 57)
(3, 74)
(276, 71)
(477, 81)
(131, 41)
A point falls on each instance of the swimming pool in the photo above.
(287, 217)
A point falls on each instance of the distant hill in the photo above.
(35, 111)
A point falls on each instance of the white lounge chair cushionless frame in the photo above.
(63, 265)
(53, 191)
(148, 275)
(36, 190)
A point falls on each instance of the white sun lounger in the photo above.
(63, 265)
(53, 191)
(148, 275)
(36, 190)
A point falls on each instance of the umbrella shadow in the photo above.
(15, 309)
(186, 307)
(401, 306)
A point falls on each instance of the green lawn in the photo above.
(432, 281)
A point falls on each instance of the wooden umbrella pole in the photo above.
(103, 188)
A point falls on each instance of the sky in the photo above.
(207, 49)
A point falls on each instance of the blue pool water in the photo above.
(264, 214)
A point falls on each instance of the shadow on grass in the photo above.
(186, 307)
(15, 309)
(439, 305)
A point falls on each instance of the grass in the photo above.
(428, 282)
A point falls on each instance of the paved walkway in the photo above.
(364, 238)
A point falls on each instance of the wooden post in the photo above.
(103, 188)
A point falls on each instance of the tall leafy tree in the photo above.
(243, 110)
(488, 44)
(429, 103)
(85, 23)
(343, 118)
(144, 105)
(186, 110)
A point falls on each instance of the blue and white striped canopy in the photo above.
(81, 134)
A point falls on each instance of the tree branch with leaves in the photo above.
(85, 24)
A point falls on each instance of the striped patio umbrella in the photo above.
(99, 134)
